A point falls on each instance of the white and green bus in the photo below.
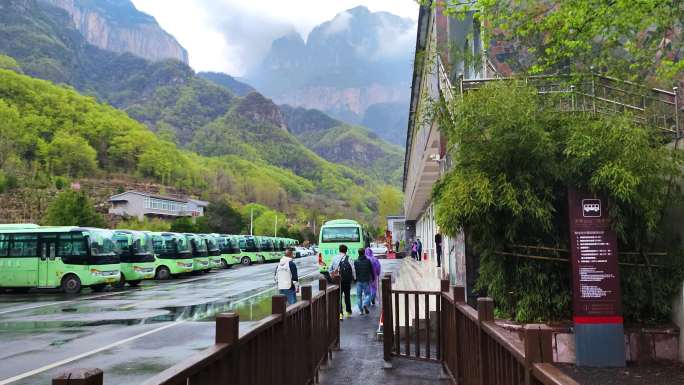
(339, 232)
(173, 253)
(250, 248)
(200, 254)
(213, 250)
(230, 249)
(137, 256)
(64, 257)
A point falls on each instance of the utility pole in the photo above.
(251, 221)
(275, 227)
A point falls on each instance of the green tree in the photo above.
(617, 37)
(8, 63)
(70, 155)
(183, 225)
(389, 203)
(73, 208)
(223, 218)
(514, 162)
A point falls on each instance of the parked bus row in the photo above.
(70, 258)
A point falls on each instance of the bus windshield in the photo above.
(340, 234)
(102, 245)
(182, 244)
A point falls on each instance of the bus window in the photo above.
(72, 248)
(4, 245)
(24, 246)
(340, 234)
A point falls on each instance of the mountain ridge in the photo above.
(346, 65)
(118, 26)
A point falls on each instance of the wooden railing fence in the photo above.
(471, 347)
(288, 347)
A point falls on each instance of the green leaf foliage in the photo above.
(639, 38)
(514, 160)
(73, 208)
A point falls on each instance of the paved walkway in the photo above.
(360, 359)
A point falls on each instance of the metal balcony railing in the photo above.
(591, 93)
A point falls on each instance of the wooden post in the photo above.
(227, 332)
(227, 328)
(441, 338)
(387, 321)
(538, 348)
(459, 293)
(308, 337)
(279, 367)
(444, 285)
(485, 313)
(334, 318)
(323, 288)
(80, 377)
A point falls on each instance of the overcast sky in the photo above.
(232, 35)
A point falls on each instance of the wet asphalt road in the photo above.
(132, 334)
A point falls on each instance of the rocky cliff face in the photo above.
(116, 25)
(256, 108)
(357, 59)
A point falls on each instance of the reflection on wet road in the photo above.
(132, 334)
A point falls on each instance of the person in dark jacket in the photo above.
(438, 247)
(364, 275)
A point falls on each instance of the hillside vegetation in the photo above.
(48, 132)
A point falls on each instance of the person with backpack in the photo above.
(341, 267)
(286, 277)
(364, 275)
(414, 250)
(377, 271)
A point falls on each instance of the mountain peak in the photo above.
(117, 25)
(257, 108)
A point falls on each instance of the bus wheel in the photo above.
(71, 284)
(162, 273)
(97, 288)
(121, 283)
(224, 264)
(246, 261)
(134, 283)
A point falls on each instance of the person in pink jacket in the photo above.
(377, 270)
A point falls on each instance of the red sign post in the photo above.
(597, 301)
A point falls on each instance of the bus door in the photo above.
(47, 261)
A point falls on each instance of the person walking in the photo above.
(286, 277)
(414, 250)
(377, 270)
(419, 249)
(438, 246)
(364, 274)
(341, 267)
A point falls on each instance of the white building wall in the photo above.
(453, 249)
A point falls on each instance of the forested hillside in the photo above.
(167, 96)
(51, 134)
(342, 143)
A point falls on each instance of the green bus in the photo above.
(137, 256)
(213, 250)
(64, 257)
(339, 232)
(230, 249)
(251, 249)
(173, 254)
(268, 251)
(200, 254)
